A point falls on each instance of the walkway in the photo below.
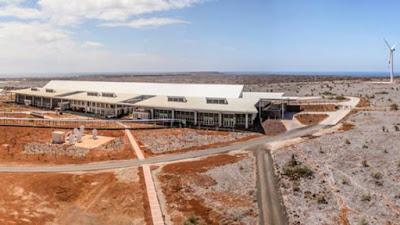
(134, 144)
(336, 116)
(270, 201)
(155, 208)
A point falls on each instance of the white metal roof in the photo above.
(235, 105)
(264, 95)
(41, 92)
(83, 96)
(166, 89)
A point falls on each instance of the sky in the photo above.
(122, 36)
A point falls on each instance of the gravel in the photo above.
(236, 178)
(175, 140)
(363, 163)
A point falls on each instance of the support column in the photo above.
(41, 101)
(151, 113)
(195, 118)
(116, 110)
(172, 117)
(220, 120)
(283, 111)
(51, 103)
(247, 121)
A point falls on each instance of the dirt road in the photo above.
(272, 210)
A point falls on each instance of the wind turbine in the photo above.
(391, 51)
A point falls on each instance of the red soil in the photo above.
(311, 119)
(319, 108)
(175, 181)
(70, 199)
(17, 137)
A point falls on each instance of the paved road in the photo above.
(12, 168)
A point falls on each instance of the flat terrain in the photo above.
(16, 145)
(159, 141)
(351, 176)
(216, 190)
(115, 197)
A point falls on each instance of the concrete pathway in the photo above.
(335, 117)
(155, 208)
(134, 144)
(344, 110)
(292, 124)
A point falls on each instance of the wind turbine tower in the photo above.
(391, 51)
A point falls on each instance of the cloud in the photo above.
(32, 33)
(40, 37)
(9, 2)
(146, 22)
(92, 44)
(19, 12)
(73, 12)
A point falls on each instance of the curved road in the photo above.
(12, 168)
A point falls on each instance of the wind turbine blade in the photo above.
(387, 43)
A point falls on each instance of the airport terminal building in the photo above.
(212, 105)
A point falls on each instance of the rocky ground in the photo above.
(184, 139)
(215, 190)
(380, 95)
(351, 176)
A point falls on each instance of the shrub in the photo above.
(321, 199)
(347, 141)
(394, 107)
(193, 220)
(365, 163)
(377, 175)
(296, 170)
(327, 93)
(363, 221)
(340, 98)
(366, 197)
(345, 181)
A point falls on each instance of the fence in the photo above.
(90, 124)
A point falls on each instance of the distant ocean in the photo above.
(300, 73)
(310, 73)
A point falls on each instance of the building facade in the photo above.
(207, 105)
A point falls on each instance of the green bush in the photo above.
(193, 220)
(296, 170)
(340, 98)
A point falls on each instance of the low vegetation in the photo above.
(296, 170)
